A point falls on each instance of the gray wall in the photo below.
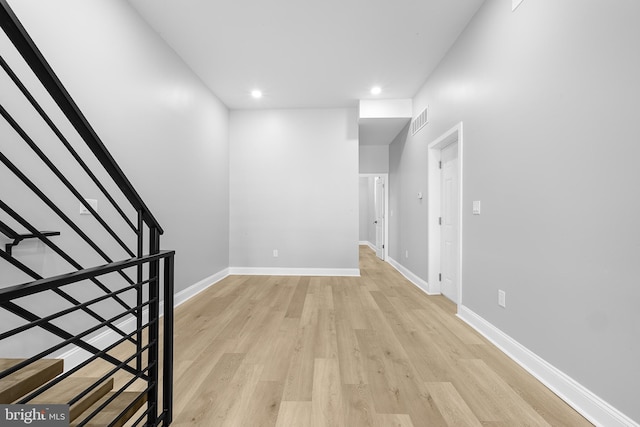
(294, 187)
(408, 214)
(548, 97)
(374, 158)
(167, 131)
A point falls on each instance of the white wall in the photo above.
(167, 131)
(548, 96)
(294, 188)
(384, 108)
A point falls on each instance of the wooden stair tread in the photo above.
(27, 379)
(69, 388)
(111, 412)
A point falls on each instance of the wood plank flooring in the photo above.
(344, 351)
(327, 351)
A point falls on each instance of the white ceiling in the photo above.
(309, 54)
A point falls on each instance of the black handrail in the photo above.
(41, 68)
(76, 307)
(36, 286)
(18, 237)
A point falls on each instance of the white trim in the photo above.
(366, 243)
(74, 357)
(410, 276)
(433, 157)
(279, 271)
(576, 395)
(193, 290)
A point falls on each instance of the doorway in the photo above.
(374, 214)
(445, 214)
(449, 221)
(379, 203)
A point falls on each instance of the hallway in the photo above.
(338, 351)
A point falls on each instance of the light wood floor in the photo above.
(336, 351)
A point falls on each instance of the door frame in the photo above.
(433, 158)
(386, 209)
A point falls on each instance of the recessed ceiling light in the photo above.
(376, 90)
(256, 94)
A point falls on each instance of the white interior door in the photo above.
(379, 216)
(450, 226)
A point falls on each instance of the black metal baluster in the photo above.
(154, 313)
(140, 290)
(167, 375)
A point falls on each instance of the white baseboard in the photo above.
(74, 357)
(277, 271)
(577, 396)
(366, 243)
(196, 288)
(410, 276)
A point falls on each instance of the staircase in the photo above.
(87, 291)
(36, 377)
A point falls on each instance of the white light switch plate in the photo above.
(92, 202)
(476, 207)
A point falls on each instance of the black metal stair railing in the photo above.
(148, 373)
(116, 255)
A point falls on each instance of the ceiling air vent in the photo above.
(419, 122)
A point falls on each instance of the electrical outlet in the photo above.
(502, 299)
(275, 253)
(406, 253)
